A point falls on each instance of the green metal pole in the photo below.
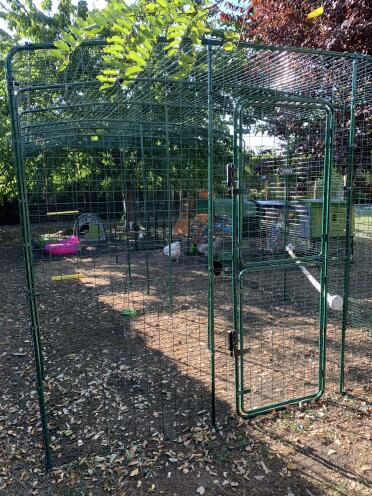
(26, 238)
(234, 268)
(348, 227)
(237, 200)
(145, 215)
(126, 227)
(325, 250)
(286, 217)
(210, 238)
(169, 220)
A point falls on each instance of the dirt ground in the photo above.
(129, 398)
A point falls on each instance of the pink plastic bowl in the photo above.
(64, 247)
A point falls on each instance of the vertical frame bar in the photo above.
(235, 258)
(145, 213)
(210, 236)
(348, 231)
(169, 209)
(326, 212)
(27, 251)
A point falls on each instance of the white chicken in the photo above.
(174, 249)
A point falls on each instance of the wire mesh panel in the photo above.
(356, 347)
(114, 219)
(279, 355)
(134, 239)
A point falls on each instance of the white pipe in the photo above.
(334, 301)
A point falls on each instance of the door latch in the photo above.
(231, 178)
(230, 175)
(232, 344)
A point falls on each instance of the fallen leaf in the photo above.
(201, 490)
(265, 468)
(134, 472)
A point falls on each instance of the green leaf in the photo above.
(171, 52)
(150, 7)
(69, 39)
(188, 59)
(121, 29)
(115, 39)
(231, 35)
(62, 45)
(162, 3)
(195, 38)
(115, 50)
(91, 27)
(172, 44)
(76, 31)
(105, 86)
(134, 69)
(112, 72)
(179, 75)
(58, 54)
(105, 79)
(136, 57)
(177, 29)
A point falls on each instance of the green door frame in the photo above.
(239, 270)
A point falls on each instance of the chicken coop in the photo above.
(185, 240)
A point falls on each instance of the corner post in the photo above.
(210, 236)
(27, 251)
(348, 227)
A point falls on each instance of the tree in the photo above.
(345, 25)
(23, 20)
(132, 33)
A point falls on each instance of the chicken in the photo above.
(202, 248)
(175, 250)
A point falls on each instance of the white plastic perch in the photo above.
(334, 301)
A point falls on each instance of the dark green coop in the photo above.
(177, 306)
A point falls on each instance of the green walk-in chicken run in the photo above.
(199, 241)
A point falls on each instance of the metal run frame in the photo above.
(238, 267)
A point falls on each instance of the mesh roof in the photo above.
(58, 109)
